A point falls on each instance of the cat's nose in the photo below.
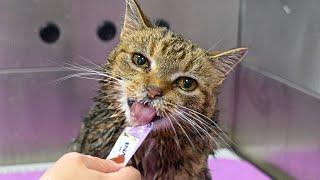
(154, 92)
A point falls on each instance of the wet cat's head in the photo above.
(164, 75)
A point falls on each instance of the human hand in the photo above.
(82, 167)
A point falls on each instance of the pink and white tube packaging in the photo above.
(129, 141)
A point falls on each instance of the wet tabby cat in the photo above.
(156, 75)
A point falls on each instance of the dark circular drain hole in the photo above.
(106, 31)
(49, 33)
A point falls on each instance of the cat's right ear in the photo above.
(225, 62)
(134, 18)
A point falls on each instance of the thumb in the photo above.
(101, 165)
(125, 173)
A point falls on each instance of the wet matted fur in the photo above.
(179, 145)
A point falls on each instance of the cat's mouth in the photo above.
(142, 113)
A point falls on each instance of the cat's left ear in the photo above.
(226, 61)
(134, 18)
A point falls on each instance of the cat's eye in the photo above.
(140, 61)
(186, 83)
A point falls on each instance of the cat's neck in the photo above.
(160, 154)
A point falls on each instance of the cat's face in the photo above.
(164, 75)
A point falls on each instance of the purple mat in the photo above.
(227, 169)
(221, 169)
(22, 176)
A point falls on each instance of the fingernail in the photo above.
(119, 159)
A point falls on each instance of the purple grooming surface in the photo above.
(228, 169)
(221, 169)
(21, 176)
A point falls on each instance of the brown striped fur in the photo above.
(162, 155)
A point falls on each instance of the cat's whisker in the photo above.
(190, 122)
(86, 59)
(91, 71)
(196, 126)
(199, 119)
(81, 68)
(183, 130)
(71, 76)
(176, 139)
(71, 67)
(207, 124)
(76, 68)
(84, 75)
(117, 76)
(206, 134)
(207, 118)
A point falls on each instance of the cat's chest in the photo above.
(162, 158)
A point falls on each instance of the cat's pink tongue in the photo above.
(142, 114)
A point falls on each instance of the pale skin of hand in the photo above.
(83, 167)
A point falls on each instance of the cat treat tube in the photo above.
(128, 143)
